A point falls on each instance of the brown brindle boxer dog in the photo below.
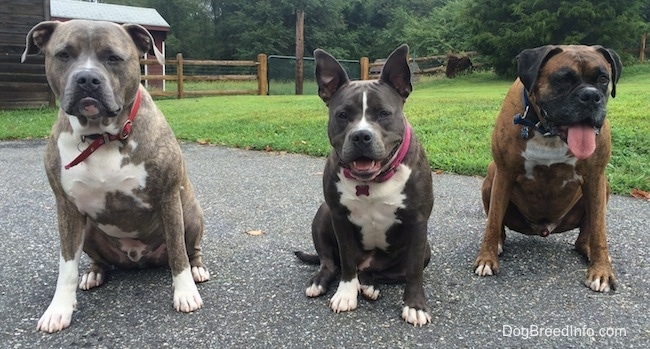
(548, 173)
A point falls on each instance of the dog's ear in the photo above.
(330, 75)
(144, 41)
(615, 62)
(531, 61)
(38, 37)
(396, 71)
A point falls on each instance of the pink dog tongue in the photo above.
(582, 141)
(89, 107)
(363, 165)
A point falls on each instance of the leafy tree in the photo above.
(500, 29)
(382, 25)
(441, 30)
(240, 29)
(191, 25)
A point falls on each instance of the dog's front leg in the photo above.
(592, 240)
(345, 298)
(71, 232)
(487, 262)
(415, 309)
(186, 295)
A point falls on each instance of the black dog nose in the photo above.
(589, 96)
(361, 137)
(88, 80)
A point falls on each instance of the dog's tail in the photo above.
(307, 258)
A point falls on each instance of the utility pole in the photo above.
(300, 49)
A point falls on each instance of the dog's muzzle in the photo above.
(363, 153)
(88, 96)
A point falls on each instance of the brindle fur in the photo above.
(554, 194)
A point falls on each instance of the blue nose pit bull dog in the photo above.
(116, 169)
(378, 190)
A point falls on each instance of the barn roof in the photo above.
(71, 9)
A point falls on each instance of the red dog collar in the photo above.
(107, 137)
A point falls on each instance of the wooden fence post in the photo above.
(262, 72)
(179, 72)
(364, 65)
(300, 50)
(644, 38)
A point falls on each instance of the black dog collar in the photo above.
(541, 125)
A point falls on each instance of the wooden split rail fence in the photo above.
(180, 78)
(368, 71)
(437, 65)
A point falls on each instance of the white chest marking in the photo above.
(546, 151)
(375, 213)
(99, 174)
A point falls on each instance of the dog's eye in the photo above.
(384, 114)
(342, 115)
(603, 80)
(114, 59)
(565, 80)
(63, 55)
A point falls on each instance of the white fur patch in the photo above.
(90, 63)
(314, 290)
(596, 285)
(370, 292)
(415, 317)
(94, 127)
(101, 173)
(90, 280)
(363, 124)
(483, 270)
(546, 151)
(375, 213)
(59, 314)
(186, 295)
(345, 298)
(200, 274)
(116, 232)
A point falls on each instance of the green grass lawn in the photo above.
(453, 118)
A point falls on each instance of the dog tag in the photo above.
(363, 190)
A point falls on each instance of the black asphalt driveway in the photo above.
(256, 299)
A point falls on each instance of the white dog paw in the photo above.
(91, 279)
(200, 274)
(415, 317)
(597, 285)
(483, 270)
(314, 290)
(56, 318)
(186, 295)
(370, 292)
(187, 302)
(345, 298)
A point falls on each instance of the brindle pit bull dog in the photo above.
(116, 169)
(548, 173)
(377, 183)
